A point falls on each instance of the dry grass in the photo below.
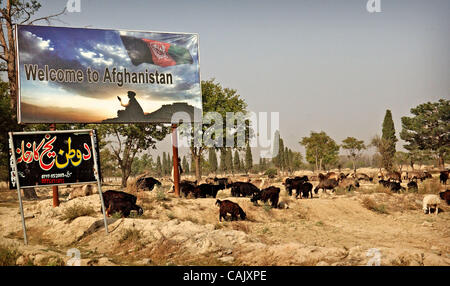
(430, 186)
(378, 188)
(130, 235)
(241, 226)
(370, 204)
(72, 212)
(8, 255)
(163, 249)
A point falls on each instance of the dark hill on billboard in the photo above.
(164, 114)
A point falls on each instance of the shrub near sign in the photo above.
(53, 158)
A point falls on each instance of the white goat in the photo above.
(431, 201)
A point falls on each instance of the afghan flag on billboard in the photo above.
(155, 52)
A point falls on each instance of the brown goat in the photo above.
(230, 207)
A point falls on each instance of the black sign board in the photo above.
(53, 158)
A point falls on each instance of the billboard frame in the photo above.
(18, 105)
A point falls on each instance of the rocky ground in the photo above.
(337, 229)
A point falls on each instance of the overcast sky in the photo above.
(325, 65)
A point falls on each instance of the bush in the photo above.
(71, 213)
(8, 256)
(132, 235)
(370, 204)
(271, 173)
(161, 195)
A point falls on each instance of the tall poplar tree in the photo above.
(388, 135)
(212, 159)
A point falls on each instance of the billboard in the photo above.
(52, 158)
(80, 75)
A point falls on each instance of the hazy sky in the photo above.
(325, 65)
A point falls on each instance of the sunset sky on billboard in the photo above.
(54, 99)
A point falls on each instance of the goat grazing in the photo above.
(230, 207)
(243, 189)
(147, 183)
(124, 207)
(429, 202)
(326, 184)
(271, 193)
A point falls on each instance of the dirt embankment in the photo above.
(326, 230)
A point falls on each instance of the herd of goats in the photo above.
(124, 203)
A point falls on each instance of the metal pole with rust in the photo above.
(176, 173)
(55, 188)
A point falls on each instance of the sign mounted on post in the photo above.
(79, 75)
(53, 158)
(46, 158)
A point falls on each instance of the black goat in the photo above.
(147, 183)
(230, 207)
(271, 193)
(243, 189)
(124, 207)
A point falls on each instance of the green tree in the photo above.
(401, 158)
(297, 160)
(158, 167)
(192, 168)
(11, 13)
(388, 135)
(129, 140)
(262, 164)
(16, 12)
(141, 165)
(212, 160)
(321, 150)
(229, 160)
(223, 165)
(248, 159)
(168, 166)
(107, 163)
(428, 129)
(215, 98)
(7, 123)
(164, 164)
(354, 148)
(279, 159)
(381, 145)
(288, 159)
(185, 165)
(237, 161)
(276, 148)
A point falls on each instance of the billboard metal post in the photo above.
(15, 170)
(97, 176)
(55, 188)
(176, 173)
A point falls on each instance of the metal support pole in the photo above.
(99, 183)
(176, 173)
(55, 188)
(13, 154)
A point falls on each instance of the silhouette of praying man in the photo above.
(133, 110)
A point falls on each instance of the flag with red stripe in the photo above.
(159, 53)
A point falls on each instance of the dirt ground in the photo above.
(361, 227)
